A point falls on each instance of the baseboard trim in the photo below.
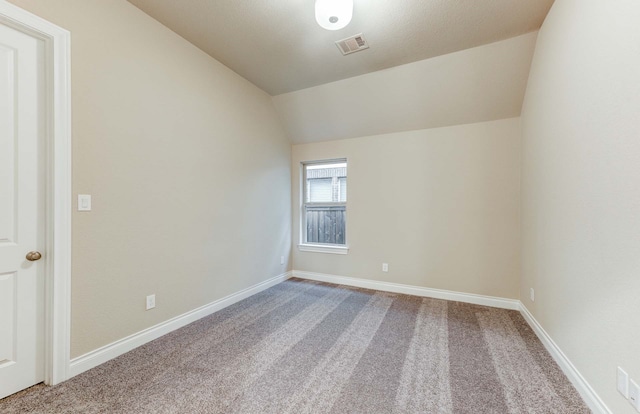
(588, 394)
(101, 355)
(591, 398)
(492, 301)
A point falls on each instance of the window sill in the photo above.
(322, 248)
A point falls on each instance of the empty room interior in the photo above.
(345, 206)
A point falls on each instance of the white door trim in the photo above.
(58, 184)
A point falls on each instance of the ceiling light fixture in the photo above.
(334, 14)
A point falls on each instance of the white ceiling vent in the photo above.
(352, 44)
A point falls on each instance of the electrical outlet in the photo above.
(151, 301)
(623, 382)
(281, 260)
(385, 267)
(532, 295)
(634, 394)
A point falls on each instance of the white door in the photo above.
(21, 211)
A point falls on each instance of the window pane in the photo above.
(319, 190)
(326, 183)
(326, 225)
(342, 183)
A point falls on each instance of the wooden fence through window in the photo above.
(326, 225)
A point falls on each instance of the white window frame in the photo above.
(320, 247)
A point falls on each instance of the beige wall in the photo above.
(581, 182)
(190, 175)
(187, 164)
(441, 206)
(485, 83)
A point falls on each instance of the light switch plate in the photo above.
(385, 267)
(634, 394)
(84, 202)
(623, 382)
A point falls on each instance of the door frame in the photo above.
(58, 192)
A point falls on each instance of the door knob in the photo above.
(33, 256)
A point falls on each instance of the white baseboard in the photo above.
(587, 393)
(101, 355)
(492, 301)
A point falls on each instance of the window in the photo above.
(324, 206)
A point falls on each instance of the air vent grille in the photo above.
(352, 44)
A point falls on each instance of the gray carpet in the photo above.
(307, 347)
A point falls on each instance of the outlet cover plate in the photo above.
(634, 394)
(151, 301)
(623, 382)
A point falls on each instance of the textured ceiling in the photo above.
(279, 47)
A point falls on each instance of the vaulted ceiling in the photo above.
(278, 46)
